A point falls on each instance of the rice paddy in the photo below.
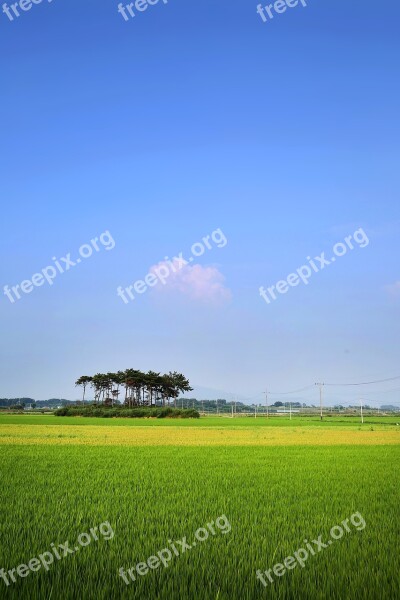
(278, 483)
(94, 435)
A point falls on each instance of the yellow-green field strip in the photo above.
(92, 435)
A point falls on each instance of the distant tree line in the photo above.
(15, 401)
(138, 388)
(24, 402)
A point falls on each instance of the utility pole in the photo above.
(290, 411)
(255, 411)
(362, 416)
(321, 385)
(266, 401)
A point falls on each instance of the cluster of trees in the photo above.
(139, 389)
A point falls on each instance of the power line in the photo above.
(293, 392)
(334, 384)
(375, 392)
(364, 382)
(370, 401)
(309, 387)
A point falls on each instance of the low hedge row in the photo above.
(131, 413)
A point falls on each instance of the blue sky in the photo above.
(195, 116)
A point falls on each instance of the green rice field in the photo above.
(274, 497)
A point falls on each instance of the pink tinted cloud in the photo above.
(393, 289)
(203, 284)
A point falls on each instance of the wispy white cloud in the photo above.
(202, 284)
